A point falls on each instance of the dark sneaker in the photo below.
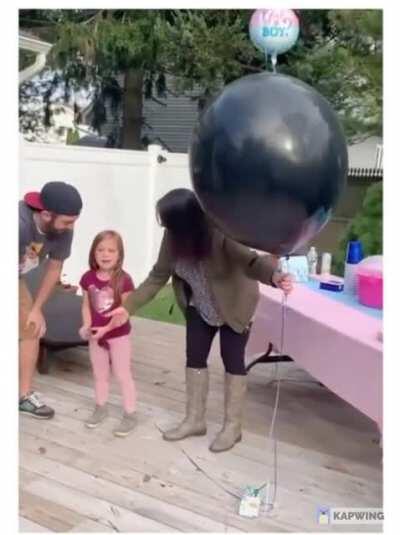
(32, 405)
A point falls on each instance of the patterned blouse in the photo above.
(202, 298)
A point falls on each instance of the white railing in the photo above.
(379, 157)
(41, 48)
(119, 190)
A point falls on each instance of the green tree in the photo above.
(366, 226)
(145, 46)
(338, 52)
(341, 56)
(72, 136)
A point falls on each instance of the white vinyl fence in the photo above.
(119, 189)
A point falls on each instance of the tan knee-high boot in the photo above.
(231, 432)
(196, 400)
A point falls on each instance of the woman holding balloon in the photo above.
(215, 283)
(268, 162)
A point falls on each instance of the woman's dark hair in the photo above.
(180, 212)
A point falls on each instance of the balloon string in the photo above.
(272, 488)
(273, 61)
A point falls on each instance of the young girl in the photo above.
(106, 286)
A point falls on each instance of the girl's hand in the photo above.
(283, 281)
(98, 332)
(120, 316)
(84, 332)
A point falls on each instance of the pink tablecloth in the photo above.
(335, 343)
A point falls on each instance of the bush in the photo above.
(366, 227)
(72, 136)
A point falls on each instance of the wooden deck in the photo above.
(76, 479)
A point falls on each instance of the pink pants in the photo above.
(117, 358)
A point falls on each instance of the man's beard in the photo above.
(50, 230)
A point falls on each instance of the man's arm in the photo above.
(49, 280)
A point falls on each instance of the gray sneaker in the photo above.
(32, 405)
(126, 425)
(98, 415)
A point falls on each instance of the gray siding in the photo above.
(172, 121)
(168, 121)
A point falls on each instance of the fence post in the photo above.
(153, 151)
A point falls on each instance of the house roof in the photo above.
(367, 153)
(171, 120)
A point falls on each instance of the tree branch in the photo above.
(95, 16)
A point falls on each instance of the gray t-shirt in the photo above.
(35, 246)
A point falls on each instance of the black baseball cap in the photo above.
(58, 197)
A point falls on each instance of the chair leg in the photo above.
(266, 358)
(43, 364)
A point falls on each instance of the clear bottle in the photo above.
(350, 279)
(326, 263)
(354, 255)
(312, 258)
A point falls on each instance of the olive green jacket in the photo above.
(231, 269)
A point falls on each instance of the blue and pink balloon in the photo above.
(274, 31)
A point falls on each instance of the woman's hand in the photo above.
(283, 281)
(120, 316)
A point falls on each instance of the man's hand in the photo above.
(283, 281)
(36, 318)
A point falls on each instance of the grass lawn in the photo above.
(160, 308)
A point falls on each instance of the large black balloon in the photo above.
(268, 162)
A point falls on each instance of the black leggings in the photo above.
(199, 337)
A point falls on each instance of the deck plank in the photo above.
(75, 479)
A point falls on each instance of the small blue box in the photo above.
(332, 286)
